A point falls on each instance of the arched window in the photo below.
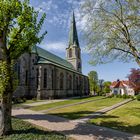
(37, 77)
(70, 52)
(61, 80)
(52, 79)
(70, 82)
(77, 83)
(45, 78)
(26, 77)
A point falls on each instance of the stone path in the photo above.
(75, 129)
(103, 111)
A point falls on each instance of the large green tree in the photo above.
(106, 88)
(93, 81)
(113, 30)
(19, 31)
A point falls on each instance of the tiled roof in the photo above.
(122, 84)
(46, 57)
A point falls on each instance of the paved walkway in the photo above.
(103, 111)
(75, 129)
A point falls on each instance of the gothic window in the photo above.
(26, 78)
(70, 52)
(61, 80)
(45, 78)
(37, 77)
(52, 79)
(70, 82)
(18, 68)
(76, 82)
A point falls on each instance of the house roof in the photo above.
(122, 84)
(46, 57)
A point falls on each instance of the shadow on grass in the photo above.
(98, 132)
(25, 131)
(118, 125)
(81, 114)
(73, 115)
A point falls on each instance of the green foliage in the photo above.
(107, 87)
(124, 96)
(112, 31)
(26, 131)
(93, 81)
(138, 97)
(34, 99)
(118, 96)
(19, 32)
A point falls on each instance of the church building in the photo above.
(44, 75)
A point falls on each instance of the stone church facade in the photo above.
(44, 75)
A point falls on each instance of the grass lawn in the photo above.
(77, 111)
(61, 103)
(26, 131)
(125, 118)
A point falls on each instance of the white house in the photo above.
(123, 87)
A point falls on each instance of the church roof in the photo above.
(73, 37)
(46, 57)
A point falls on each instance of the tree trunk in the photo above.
(6, 126)
(6, 103)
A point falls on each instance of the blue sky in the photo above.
(57, 24)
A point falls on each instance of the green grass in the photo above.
(77, 111)
(61, 103)
(25, 131)
(125, 118)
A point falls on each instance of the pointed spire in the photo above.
(73, 37)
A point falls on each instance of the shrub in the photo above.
(125, 96)
(110, 96)
(138, 97)
(34, 99)
(24, 99)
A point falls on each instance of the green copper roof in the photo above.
(45, 57)
(73, 37)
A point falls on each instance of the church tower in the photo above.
(73, 51)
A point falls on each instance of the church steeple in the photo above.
(73, 52)
(73, 37)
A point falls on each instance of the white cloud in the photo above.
(45, 6)
(54, 46)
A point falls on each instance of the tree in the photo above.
(113, 30)
(19, 29)
(101, 81)
(93, 80)
(134, 77)
(107, 87)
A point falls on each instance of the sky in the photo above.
(57, 24)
